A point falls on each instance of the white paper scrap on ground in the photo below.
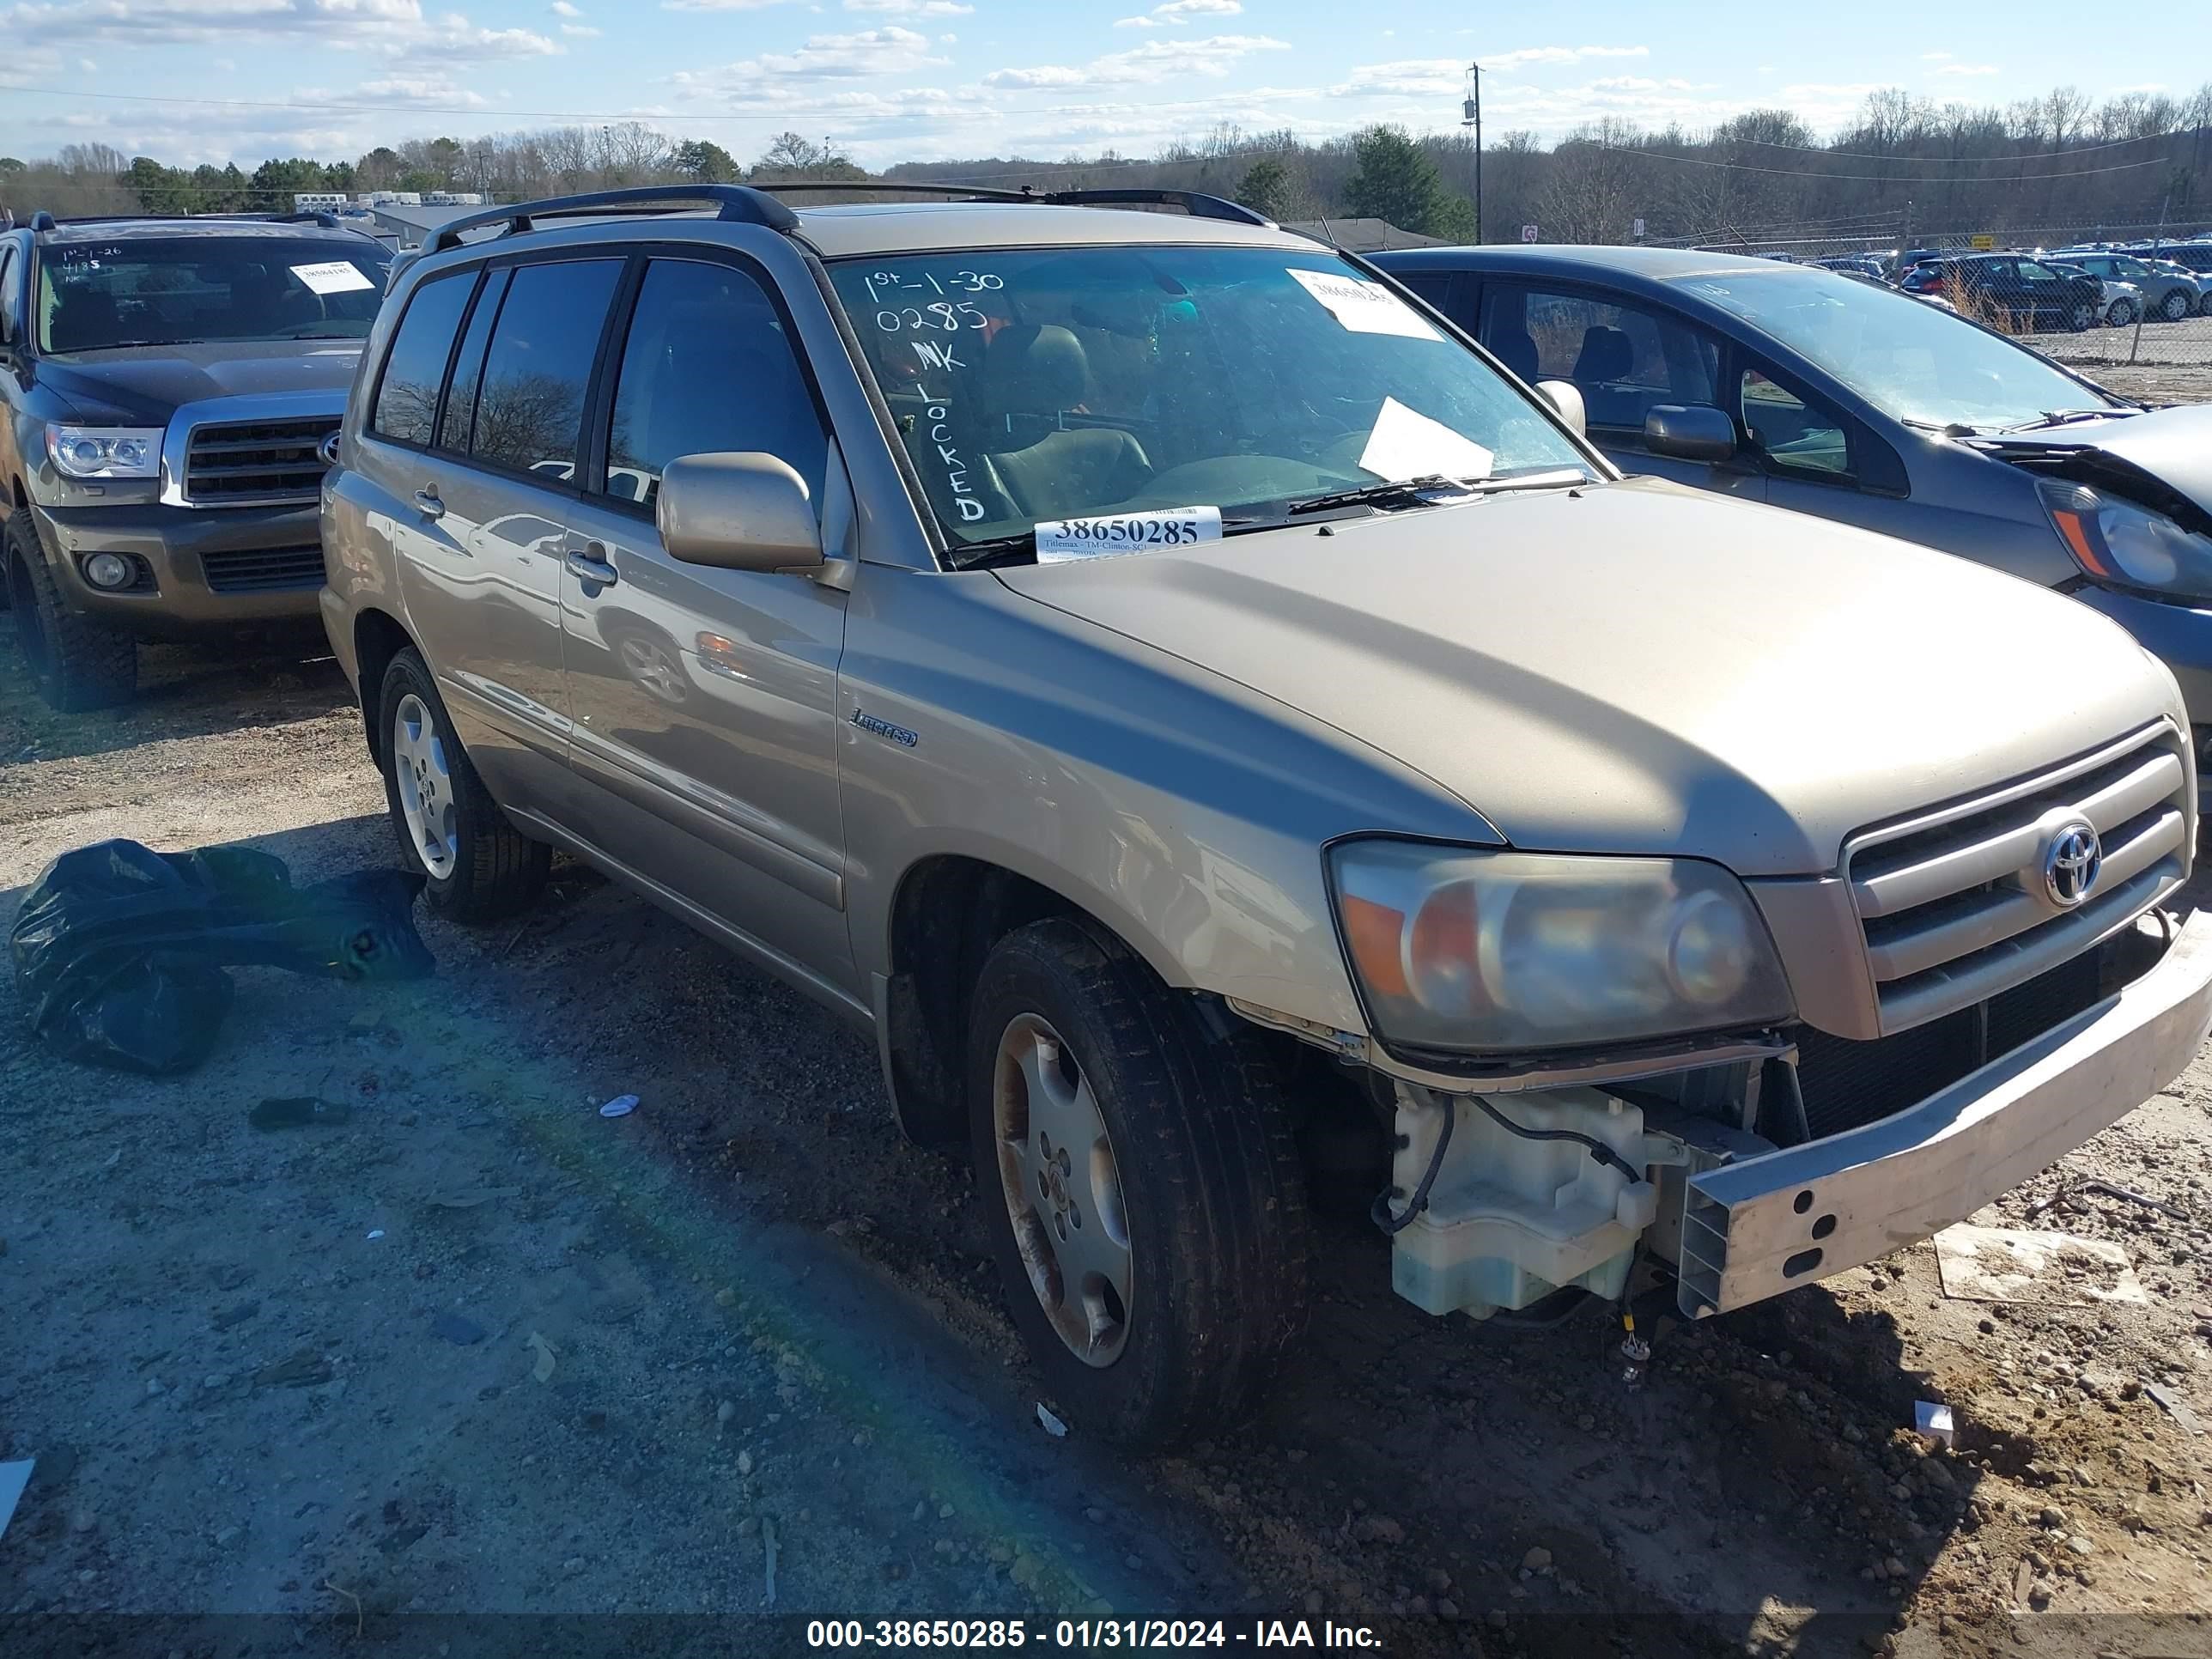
(1154, 531)
(14, 1477)
(1407, 444)
(1934, 1421)
(620, 1106)
(1991, 1264)
(332, 277)
(1364, 307)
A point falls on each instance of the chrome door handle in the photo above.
(591, 565)
(427, 504)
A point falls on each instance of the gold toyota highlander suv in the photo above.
(1173, 689)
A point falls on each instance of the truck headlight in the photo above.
(1459, 948)
(2117, 541)
(106, 452)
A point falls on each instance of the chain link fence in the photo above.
(2156, 332)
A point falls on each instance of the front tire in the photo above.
(2176, 306)
(76, 664)
(2122, 315)
(1141, 1185)
(2081, 317)
(477, 866)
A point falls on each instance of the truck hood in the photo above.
(2161, 451)
(144, 385)
(1639, 667)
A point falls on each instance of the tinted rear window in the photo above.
(529, 408)
(407, 401)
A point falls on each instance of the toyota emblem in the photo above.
(327, 450)
(2070, 864)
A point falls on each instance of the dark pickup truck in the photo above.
(167, 386)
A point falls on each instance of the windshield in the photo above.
(1903, 356)
(152, 291)
(1047, 385)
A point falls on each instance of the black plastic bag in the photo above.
(119, 950)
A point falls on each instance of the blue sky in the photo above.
(888, 80)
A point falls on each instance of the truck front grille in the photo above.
(232, 463)
(1954, 903)
(265, 570)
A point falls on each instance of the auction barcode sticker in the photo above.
(1126, 533)
(332, 277)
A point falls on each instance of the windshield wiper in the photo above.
(2067, 416)
(1434, 489)
(1942, 428)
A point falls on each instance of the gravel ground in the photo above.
(476, 1350)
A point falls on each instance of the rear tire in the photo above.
(1179, 1171)
(2122, 315)
(478, 867)
(2081, 317)
(76, 663)
(2176, 306)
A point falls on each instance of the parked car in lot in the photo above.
(1833, 398)
(1171, 691)
(2123, 302)
(2168, 295)
(2023, 292)
(169, 386)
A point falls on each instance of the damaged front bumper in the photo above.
(1768, 1224)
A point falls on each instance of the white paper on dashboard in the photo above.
(1363, 307)
(1407, 444)
(332, 277)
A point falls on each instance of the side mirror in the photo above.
(1689, 432)
(1566, 397)
(739, 511)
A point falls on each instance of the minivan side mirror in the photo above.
(1567, 398)
(1689, 432)
(742, 510)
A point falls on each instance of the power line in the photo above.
(1884, 178)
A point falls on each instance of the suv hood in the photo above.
(2171, 448)
(145, 385)
(1639, 667)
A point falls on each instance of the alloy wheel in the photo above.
(426, 786)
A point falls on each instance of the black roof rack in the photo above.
(1195, 203)
(739, 203)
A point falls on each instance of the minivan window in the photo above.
(530, 411)
(1623, 358)
(153, 291)
(1044, 384)
(460, 408)
(414, 369)
(1903, 356)
(708, 368)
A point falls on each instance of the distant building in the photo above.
(318, 201)
(414, 223)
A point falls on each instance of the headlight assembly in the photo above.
(1457, 948)
(106, 452)
(2117, 541)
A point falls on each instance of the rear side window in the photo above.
(407, 398)
(708, 367)
(529, 408)
(460, 408)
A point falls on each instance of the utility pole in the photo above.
(1471, 116)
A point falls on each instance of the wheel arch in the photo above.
(378, 637)
(946, 914)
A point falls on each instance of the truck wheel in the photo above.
(76, 663)
(479, 867)
(1141, 1184)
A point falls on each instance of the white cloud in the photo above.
(1967, 69)
(562, 8)
(911, 8)
(887, 51)
(579, 31)
(1146, 66)
(1176, 12)
(402, 91)
(1506, 62)
(395, 28)
(721, 5)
